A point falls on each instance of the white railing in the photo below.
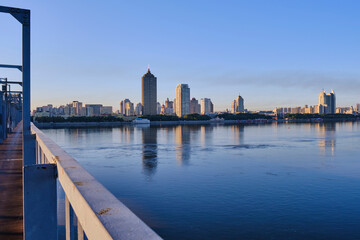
(99, 213)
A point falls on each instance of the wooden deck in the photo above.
(11, 198)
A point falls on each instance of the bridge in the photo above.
(31, 166)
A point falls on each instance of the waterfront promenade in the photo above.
(11, 197)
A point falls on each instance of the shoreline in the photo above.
(200, 122)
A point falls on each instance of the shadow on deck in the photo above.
(11, 197)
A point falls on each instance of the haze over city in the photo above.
(278, 53)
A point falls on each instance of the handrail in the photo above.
(100, 214)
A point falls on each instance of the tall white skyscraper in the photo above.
(205, 105)
(237, 105)
(182, 104)
(327, 102)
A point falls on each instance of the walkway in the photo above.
(11, 202)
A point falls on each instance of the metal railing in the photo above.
(100, 215)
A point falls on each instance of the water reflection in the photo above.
(127, 134)
(87, 136)
(238, 134)
(149, 150)
(206, 133)
(182, 140)
(327, 136)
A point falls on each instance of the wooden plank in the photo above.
(11, 199)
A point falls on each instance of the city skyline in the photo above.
(219, 58)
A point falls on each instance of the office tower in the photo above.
(76, 108)
(358, 107)
(182, 100)
(106, 110)
(138, 109)
(327, 102)
(123, 106)
(194, 106)
(129, 109)
(205, 106)
(169, 107)
(149, 94)
(211, 107)
(237, 105)
(96, 109)
(158, 108)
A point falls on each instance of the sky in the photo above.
(273, 53)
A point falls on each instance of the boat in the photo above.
(217, 120)
(141, 121)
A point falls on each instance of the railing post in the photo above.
(1, 118)
(80, 231)
(40, 202)
(69, 220)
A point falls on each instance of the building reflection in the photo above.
(182, 140)
(86, 136)
(206, 133)
(127, 134)
(327, 137)
(238, 134)
(149, 151)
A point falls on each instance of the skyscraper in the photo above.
(237, 105)
(327, 102)
(138, 109)
(149, 94)
(205, 105)
(182, 100)
(194, 106)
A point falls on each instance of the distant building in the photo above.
(211, 107)
(158, 108)
(95, 109)
(149, 94)
(123, 106)
(345, 110)
(129, 109)
(106, 110)
(194, 106)
(138, 109)
(327, 102)
(237, 105)
(182, 100)
(205, 106)
(168, 107)
(76, 108)
(358, 107)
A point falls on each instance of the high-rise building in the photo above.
(205, 106)
(182, 100)
(129, 109)
(158, 108)
(211, 107)
(327, 102)
(237, 105)
(96, 109)
(358, 107)
(138, 109)
(194, 106)
(123, 106)
(149, 94)
(106, 110)
(168, 107)
(76, 108)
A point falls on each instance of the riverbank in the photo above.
(168, 123)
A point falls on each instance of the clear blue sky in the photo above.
(274, 53)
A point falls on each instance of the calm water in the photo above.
(286, 181)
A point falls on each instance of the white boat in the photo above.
(217, 119)
(141, 121)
